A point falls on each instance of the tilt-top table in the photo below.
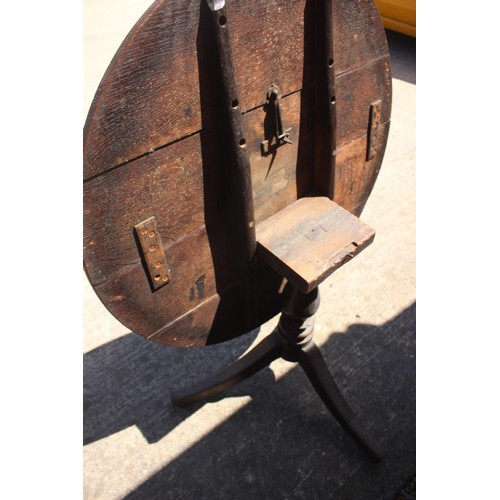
(228, 153)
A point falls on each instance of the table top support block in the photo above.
(311, 238)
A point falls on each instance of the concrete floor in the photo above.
(270, 437)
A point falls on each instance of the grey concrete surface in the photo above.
(270, 437)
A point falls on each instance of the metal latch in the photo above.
(153, 253)
(274, 132)
(373, 126)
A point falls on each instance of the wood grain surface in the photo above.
(311, 238)
(155, 144)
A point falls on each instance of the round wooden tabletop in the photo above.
(157, 163)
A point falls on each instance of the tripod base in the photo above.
(291, 340)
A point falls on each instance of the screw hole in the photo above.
(330, 63)
(332, 99)
(157, 277)
(235, 103)
(222, 20)
(242, 142)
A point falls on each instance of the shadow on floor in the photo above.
(284, 443)
(127, 382)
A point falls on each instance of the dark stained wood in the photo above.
(311, 238)
(156, 145)
(358, 35)
(274, 175)
(356, 90)
(240, 174)
(354, 176)
(149, 95)
(328, 95)
(268, 45)
(129, 297)
(154, 185)
(293, 341)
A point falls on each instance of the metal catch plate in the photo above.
(375, 110)
(153, 253)
(275, 133)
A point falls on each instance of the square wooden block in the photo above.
(311, 238)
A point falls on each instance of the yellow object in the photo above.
(399, 15)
